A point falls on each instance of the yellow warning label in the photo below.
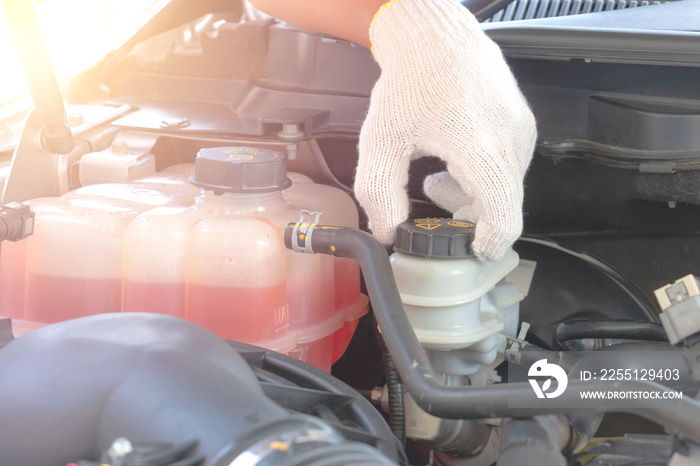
(427, 220)
(238, 157)
(428, 223)
(242, 151)
(458, 224)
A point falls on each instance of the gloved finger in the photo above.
(380, 187)
(446, 192)
(497, 206)
(524, 137)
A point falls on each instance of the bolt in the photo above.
(119, 449)
(174, 123)
(292, 151)
(120, 147)
(290, 132)
(376, 395)
(75, 119)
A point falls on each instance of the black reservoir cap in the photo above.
(435, 238)
(240, 170)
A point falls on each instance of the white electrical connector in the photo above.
(680, 303)
(127, 159)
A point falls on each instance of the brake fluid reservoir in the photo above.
(249, 181)
(453, 300)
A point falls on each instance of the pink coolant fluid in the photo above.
(310, 289)
(155, 260)
(236, 280)
(74, 258)
(158, 298)
(250, 315)
(221, 264)
(347, 282)
(338, 209)
(248, 182)
(55, 298)
(12, 279)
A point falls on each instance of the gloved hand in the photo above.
(444, 90)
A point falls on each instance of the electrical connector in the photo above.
(16, 221)
(680, 303)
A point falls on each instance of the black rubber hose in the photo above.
(528, 354)
(397, 416)
(484, 9)
(528, 441)
(451, 402)
(303, 375)
(644, 359)
(584, 424)
(578, 329)
(39, 74)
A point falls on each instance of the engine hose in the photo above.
(459, 402)
(619, 329)
(532, 441)
(39, 74)
(397, 415)
(647, 357)
(526, 354)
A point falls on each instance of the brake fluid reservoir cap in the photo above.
(240, 170)
(435, 238)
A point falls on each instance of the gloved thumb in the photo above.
(380, 186)
(445, 192)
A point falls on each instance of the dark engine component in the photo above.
(70, 390)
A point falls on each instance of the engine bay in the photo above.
(187, 279)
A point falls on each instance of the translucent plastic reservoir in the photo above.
(155, 260)
(338, 209)
(74, 259)
(310, 278)
(199, 241)
(236, 279)
(12, 285)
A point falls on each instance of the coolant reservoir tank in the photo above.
(249, 181)
(338, 209)
(442, 283)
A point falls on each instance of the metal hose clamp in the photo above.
(305, 229)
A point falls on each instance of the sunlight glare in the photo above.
(76, 32)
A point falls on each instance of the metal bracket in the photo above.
(35, 172)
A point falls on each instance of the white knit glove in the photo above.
(445, 90)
